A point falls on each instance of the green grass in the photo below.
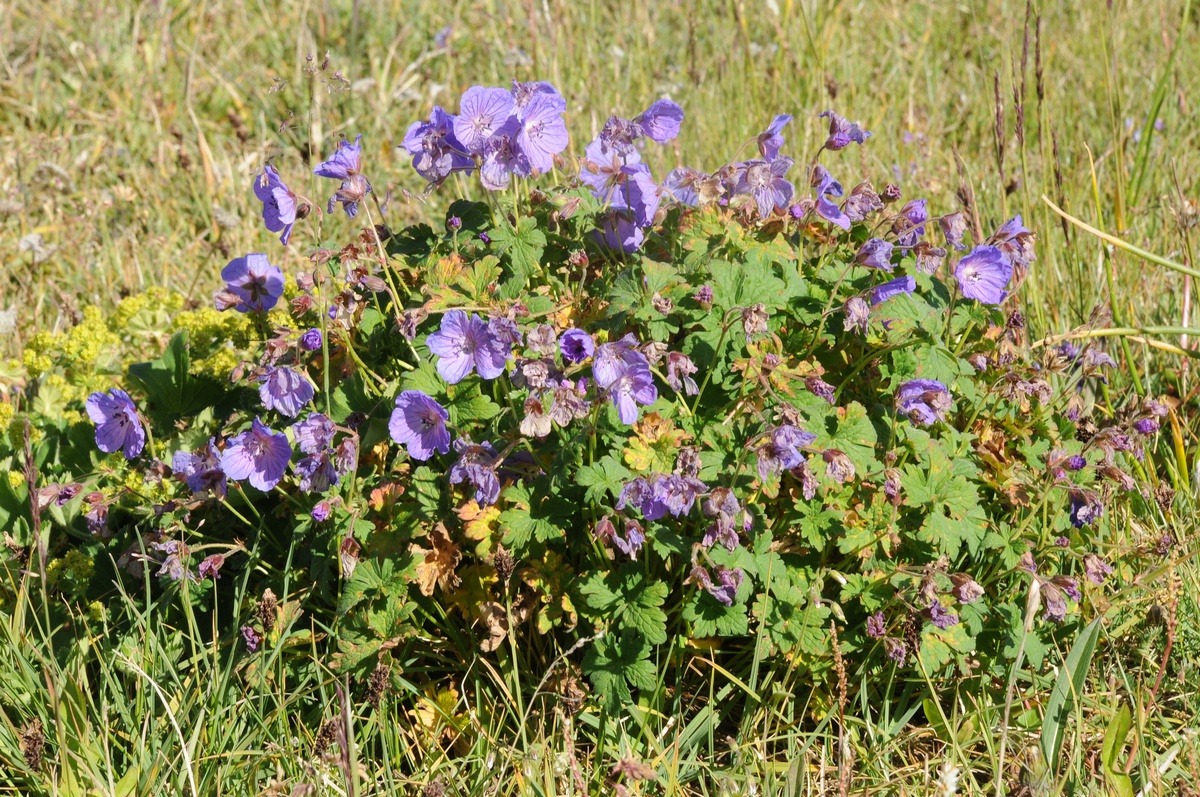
(129, 136)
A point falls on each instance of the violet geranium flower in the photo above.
(279, 203)
(620, 233)
(634, 386)
(502, 158)
(118, 427)
(842, 132)
(923, 401)
(576, 346)
(259, 454)
(764, 180)
(725, 588)
(252, 284)
(477, 465)
(482, 113)
(891, 289)
(285, 390)
(346, 165)
(661, 121)
(435, 149)
(419, 424)
(543, 133)
(910, 224)
(827, 187)
(464, 344)
(770, 141)
(201, 469)
(314, 434)
(1016, 242)
(781, 450)
(875, 253)
(983, 275)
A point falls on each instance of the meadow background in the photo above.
(129, 133)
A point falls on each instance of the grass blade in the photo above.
(1070, 683)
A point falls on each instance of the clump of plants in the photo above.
(606, 414)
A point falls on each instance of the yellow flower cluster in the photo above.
(150, 310)
(70, 573)
(80, 352)
(208, 328)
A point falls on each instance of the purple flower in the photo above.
(1096, 569)
(346, 165)
(464, 344)
(630, 545)
(311, 340)
(569, 402)
(1084, 507)
(862, 202)
(279, 203)
(314, 434)
(321, 511)
(201, 469)
(842, 132)
(210, 566)
(1076, 462)
(875, 253)
(641, 493)
(576, 345)
(252, 284)
(316, 472)
(819, 388)
(1015, 241)
(259, 454)
(525, 93)
(983, 275)
(1146, 425)
(892, 288)
(780, 450)
(251, 638)
(621, 181)
(285, 390)
(826, 187)
(661, 121)
(543, 132)
(435, 149)
(679, 373)
(966, 589)
(477, 465)
(419, 424)
(876, 626)
(502, 158)
(634, 386)
(725, 588)
(620, 233)
(942, 617)
(118, 427)
(858, 314)
(764, 180)
(482, 113)
(909, 226)
(838, 466)
(923, 401)
(770, 141)
(953, 227)
(505, 330)
(683, 185)
(613, 359)
(929, 257)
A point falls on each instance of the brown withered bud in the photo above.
(503, 562)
